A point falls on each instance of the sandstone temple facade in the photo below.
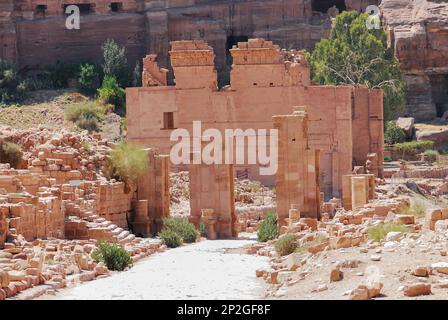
(345, 123)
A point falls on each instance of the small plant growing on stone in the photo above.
(114, 256)
(286, 244)
(10, 153)
(86, 146)
(127, 162)
(170, 238)
(268, 228)
(418, 209)
(379, 232)
(182, 227)
(431, 155)
(393, 133)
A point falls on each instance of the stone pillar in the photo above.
(210, 219)
(294, 215)
(140, 221)
(212, 188)
(297, 178)
(154, 187)
(359, 192)
(347, 188)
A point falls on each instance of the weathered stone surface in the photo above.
(417, 289)
(420, 44)
(407, 125)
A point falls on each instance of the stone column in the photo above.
(297, 178)
(359, 192)
(154, 187)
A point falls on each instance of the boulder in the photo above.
(417, 289)
(336, 275)
(407, 125)
(421, 271)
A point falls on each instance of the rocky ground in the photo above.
(45, 108)
(340, 258)
(203, 270)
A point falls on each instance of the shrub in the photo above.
(60, 72)
(114, 256)
(393, 133)
(10, 153)
(202, 230)
(182, 227)
(111, 93)
(379, 232)
(431, 155)
(86, 115)
(268, 228)
(11, 88)
(170, 238)
(286, 244)
(417, 209)
(127, 162)
(88, 78)
(414, 147)
(115, 61)
(387, 159)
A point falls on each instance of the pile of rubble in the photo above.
(340, 257)
(58, 193)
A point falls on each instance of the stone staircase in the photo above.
(92, 226)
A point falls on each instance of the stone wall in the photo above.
(34, 38)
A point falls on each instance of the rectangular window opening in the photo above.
(84, 8)
(168, 120)
(116, 6)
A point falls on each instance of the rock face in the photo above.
(34, 34)
(419, 38)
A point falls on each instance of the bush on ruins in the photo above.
(126, 162)
(356, 55)
(268, 229)
(170, 238)
(182, 227)
(287, 244)
(393, 133)
(10, 153)
(111, 93)
(86, 115)
(114, 256)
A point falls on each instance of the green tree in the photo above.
(115, 61)
(88, 78)
(356, 55)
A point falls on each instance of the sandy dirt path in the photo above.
(198, 271)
